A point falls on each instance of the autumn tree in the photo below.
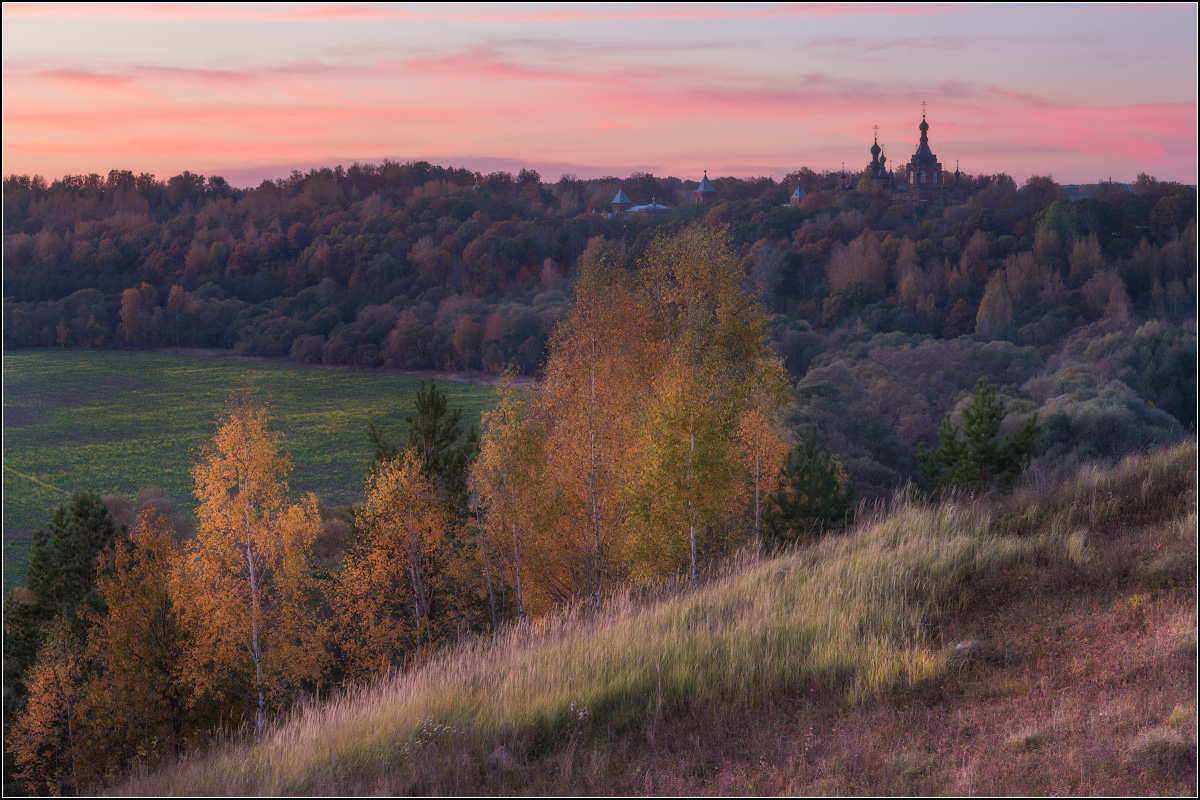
(131, 315)
(44, 738)
(716, 369)
(138, 703)
(762, 449)
(394, 598)
(247, 575)
(508, 479)
(995, 314)
(601, 359)
(688, 472)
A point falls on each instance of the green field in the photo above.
(116, 422)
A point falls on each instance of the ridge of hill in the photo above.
(1044, 642)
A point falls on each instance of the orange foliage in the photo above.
(600, 362)
(633, 456)
(44, 736)
(138, 704)
(394, 597)
(247, 579)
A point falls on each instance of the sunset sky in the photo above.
(254, 91)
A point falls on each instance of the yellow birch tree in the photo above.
(509, 481)
(600, 360)
(246, 584)
(393, 589)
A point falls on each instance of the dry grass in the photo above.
(823, 670)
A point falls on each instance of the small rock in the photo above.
(971, 651)
(502, 758)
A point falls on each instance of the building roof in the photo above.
(621, 197)
(705, 186)
(799, 194)
(924, 154)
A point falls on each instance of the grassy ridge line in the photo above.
(116, 422)
(847, 614)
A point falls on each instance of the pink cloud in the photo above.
(169, 11)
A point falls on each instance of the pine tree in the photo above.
(811, 497)
(436, 433)
(979, 460)
(62, 579)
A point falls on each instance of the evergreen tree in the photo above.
(436, 434)
(979, 460)
(811, 497)
(62, 579)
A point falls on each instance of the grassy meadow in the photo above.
(1043, 643)
(118, 422)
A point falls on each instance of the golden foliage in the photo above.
(247, 577)
(509, 482)
(137, 705)
(393, 598)
(639, 452)
(44, 736)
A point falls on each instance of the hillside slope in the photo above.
(1044, 643)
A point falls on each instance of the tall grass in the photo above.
(850, 614)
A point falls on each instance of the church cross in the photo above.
(923, 104)
(876, 127)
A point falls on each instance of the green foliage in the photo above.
(62, 579)
(1158, 362)
(62, 569)
(436, 434)
(812, 496)
(980, 460)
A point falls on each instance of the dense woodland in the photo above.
(679, 359)
(883, 313)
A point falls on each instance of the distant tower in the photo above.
(620, 202)
(876, 166)
(923, 176)
(705, 193)
(797, 196)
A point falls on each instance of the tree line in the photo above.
(420, 266)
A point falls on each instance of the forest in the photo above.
(697, 376)
(884, 314)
